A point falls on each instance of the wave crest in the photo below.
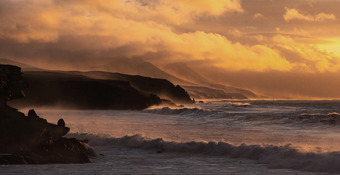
(181, 111)
(327, 118)
(273, 156)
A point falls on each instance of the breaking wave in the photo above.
(273, 156)
(286, 118)
(326, 118)
(180, 111)
(237, 104)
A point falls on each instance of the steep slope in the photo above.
(186, 73)
(230, 89)
(139, 67)
(207, 86)
(209, 93)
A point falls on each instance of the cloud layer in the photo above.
(232, 35)
(294, 14)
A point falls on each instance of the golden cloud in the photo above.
(313, 58)
(210, 35)
(258, 16)
(294, 14)
(100, 25)
(46, 20)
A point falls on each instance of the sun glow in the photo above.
(333, 46)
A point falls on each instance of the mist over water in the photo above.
(271, 136)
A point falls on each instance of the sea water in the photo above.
(214, 137)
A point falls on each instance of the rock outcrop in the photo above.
(31, 139)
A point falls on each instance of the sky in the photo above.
(277, 48)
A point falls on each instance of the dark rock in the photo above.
(32, 114)
(11, 83)
(62, 151)
(61, 122)
(31, 139)
(12, 159)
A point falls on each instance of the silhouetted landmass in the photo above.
(186, 73)
(229, 89)
(188, 76)
(31, 139)
(160, 87)
(209, 93)
(69, 90)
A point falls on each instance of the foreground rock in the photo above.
(31, 139)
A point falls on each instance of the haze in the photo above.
(276, 48)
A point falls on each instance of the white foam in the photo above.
(273, 156)
(180, 111)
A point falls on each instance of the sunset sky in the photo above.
(278, 48)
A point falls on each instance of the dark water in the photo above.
(217, 137)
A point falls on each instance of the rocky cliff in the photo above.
(31, 139)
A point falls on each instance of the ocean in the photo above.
(214, 137)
